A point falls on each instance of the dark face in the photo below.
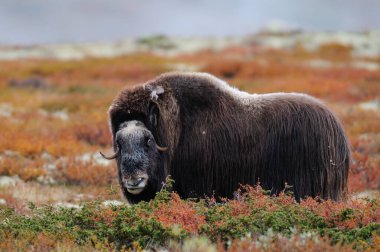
(138, 159)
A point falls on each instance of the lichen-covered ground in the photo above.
(57, 193)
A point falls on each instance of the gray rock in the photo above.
(11, 153)
(9, 181)
(368, 194)
(67, 205)
(93, 157)
(108, 203)
(6, 109)
(50, 167)
(46, 180)
(46, 156)
(370, 105)
(61, 114)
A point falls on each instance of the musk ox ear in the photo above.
(153, 114)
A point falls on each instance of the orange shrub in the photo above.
(365, 167)
(27, 145)
(179, 212)
(335, 51)
(78, 172)
(93, 133)
(224, 68)
(345, 215)
(26, 169)
(64, 147)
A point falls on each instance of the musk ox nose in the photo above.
(134, 182)
(133, 174)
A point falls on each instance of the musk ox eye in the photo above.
(149, 142)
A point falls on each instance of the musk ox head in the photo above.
(137, 128)
(138, 155)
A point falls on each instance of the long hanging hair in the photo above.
(218, 137)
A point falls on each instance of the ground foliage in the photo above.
(255, 219)
(53, 118)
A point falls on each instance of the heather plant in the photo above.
(255, 216)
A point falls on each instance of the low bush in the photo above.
(78, 172)
(252, 220)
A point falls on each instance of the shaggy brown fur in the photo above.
(219, 137)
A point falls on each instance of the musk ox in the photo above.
(211, 137)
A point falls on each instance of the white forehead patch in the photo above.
(131, 126)
(154, 91)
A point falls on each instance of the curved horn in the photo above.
(161, 148)
(113, 156)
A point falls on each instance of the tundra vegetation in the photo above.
(57, 193)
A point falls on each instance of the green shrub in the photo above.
(168, 218)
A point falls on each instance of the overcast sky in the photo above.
(26, 22)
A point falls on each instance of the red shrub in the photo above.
(179, 212)
(85, 173)
(93, 133)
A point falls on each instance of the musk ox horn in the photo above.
(113, 156)
(161, 148)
